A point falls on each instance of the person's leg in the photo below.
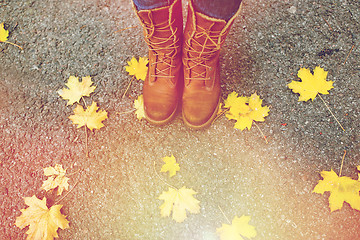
(163, 30)
(221, 9)
(203, 37)
(151, 4)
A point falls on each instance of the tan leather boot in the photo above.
(163, 29)
(203, 38)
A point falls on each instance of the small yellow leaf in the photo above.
(245, 110)
(243, 122)
(139, 106)
(56, 179)
(138, 68)
(257, 113)
(178, 201)
(237, 230)
(170, 166)
(43, 222)
(76, 89)
(311, 84)
(3, 33)
(237, 106)
(231, 100)
(342, 189)
(90, 117)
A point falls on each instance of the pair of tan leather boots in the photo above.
(183, 65)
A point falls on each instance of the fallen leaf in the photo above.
(56, 179)
(3, 33)
(170, 166)
(4, 36)
(43, 222)
(311, 84)
(178, 201)
(90, 117)
(342, 189)
(138, 68)
(139, 105)
(236, 105)
(245, 110)
(237, 230)
(76, 89)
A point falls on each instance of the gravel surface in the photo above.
(115, 189)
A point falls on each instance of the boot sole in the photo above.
(204, 125)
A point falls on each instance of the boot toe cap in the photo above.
(197, 117)
(159, 113)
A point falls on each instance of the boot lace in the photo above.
(200, 51)
(165, 48)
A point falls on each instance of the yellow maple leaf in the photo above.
(245, 110)
(311, 84)
(178, 201)
(231, 100)
(236, 105)
(342, 189)
(3, 33)
(139, 106)
(43, 222)
(138, 68)
(56, 179)
(239, 227)
(76, 89)
(90, 117)
(170, 166)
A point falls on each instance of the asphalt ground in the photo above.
(114, 191)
